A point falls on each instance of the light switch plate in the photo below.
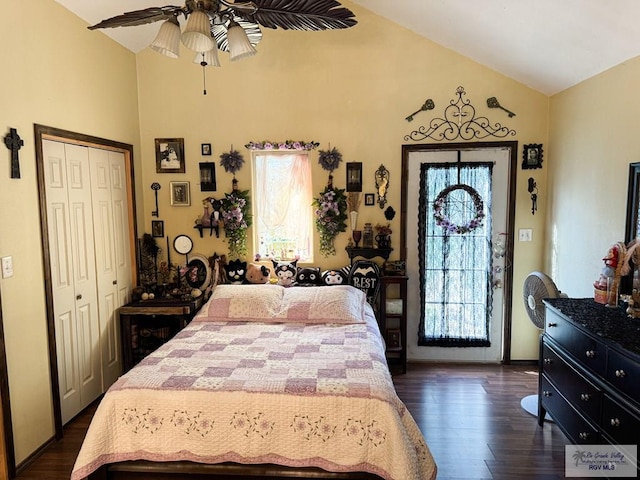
(7, 267)
(525, 235)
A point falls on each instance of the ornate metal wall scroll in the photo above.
(13, 142)
(459, 121)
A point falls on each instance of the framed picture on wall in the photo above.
(205, 149)
(369, 199)
(207, 177)
(170, 155)
(157, 228)
(180, 195)
(532, 156)
(354, 177)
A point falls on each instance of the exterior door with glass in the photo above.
(457, 238)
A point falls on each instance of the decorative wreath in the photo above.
(329, 159)
(443, 221)
(232, 161)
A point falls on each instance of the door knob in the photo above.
(79, 296)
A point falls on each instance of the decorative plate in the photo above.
(199, 274)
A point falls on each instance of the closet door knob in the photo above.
(590, 353)
(115, 282)
(79, 296)
(546, 393)
(551, 325)
(547, 361)
(615, 422)
(583, 435)
(585, 397)
(621, 373)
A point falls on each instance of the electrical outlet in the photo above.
(7, 267)
(525, 235)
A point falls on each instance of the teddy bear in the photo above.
(257, 273)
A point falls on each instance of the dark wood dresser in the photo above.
(590, 372)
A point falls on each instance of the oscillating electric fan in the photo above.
(537, 286)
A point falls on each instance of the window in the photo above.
(283, 215)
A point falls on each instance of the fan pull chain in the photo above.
(204, 75)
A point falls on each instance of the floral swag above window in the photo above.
(286, 145)
(331, 217)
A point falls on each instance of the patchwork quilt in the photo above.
(289, 392)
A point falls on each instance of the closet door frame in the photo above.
(42, 132)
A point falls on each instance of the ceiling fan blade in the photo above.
(307, 15)
(139, 17)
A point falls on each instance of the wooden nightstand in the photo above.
(147, 324)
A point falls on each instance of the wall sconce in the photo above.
(382, 185)
(533, 190)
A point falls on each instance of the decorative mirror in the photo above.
(183, 244)
(633, 203)
(382, 185)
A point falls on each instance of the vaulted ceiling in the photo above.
(548, 45)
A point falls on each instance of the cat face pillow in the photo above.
(308, 276)
(258, 273)
(236, 271)
(285, 272)
(336, 277)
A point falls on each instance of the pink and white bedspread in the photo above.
(284, 389)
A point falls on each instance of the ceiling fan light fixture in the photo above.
(197, 33)
(239, 44)
(167, 42)
(208, 58)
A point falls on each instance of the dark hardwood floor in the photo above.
(470, 416)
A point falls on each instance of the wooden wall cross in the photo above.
(13, 142)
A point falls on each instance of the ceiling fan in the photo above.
(231, 26)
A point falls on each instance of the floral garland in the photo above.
(235, 212)
(331, 217)
(286, 145)
(443, 221)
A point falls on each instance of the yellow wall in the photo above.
(593, 140)
(56, 73)
(352, 89)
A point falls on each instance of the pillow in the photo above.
(336, 277)
(285, 272)
(242, 302)
(308, 276)
(339, 304)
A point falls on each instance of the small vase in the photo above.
(354, 220)
(383, 241)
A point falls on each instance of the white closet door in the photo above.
(73, 278)
(113, 265)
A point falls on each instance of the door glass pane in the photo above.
(455, 281)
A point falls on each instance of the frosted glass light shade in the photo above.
(197, 33)
(167, 41)
(209, 57)
(239, 44)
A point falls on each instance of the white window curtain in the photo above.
(282, 207)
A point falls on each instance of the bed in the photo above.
(265, 381)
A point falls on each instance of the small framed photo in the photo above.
(207, 177)
(180, 195)
(205, 149)
(169, 155)
(369, 199)
(157, 228)
(532, 156)
(354, 176)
